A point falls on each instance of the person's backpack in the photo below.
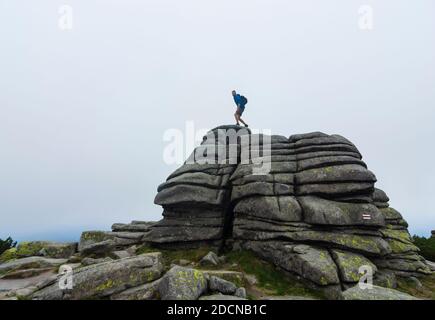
(244, 100)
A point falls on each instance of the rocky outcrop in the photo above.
(101, 242)
(106, 278)
(40, 248)
(139, 277)
(306, 203)
(28, 266)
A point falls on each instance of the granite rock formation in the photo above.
(307, 204)
(314, 211)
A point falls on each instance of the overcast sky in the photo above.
(83, 111)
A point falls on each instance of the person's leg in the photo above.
(240, 119)
(236, 116)
(240, 116)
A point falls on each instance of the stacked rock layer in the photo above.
(306, 203)
(196, 197)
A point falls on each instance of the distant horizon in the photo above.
(74, 236)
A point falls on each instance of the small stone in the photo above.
(251, 279)
(221, 285)
(210, 258)
(240, 292)
(102, 247)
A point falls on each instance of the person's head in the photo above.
(234, 92)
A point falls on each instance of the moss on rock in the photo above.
(400, 247)
(30, 248)
(8, 255)
(349, 265)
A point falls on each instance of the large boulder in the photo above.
(103, 242)
(181, 283)
(311, 263)
(106, 278)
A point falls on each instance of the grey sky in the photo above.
(83, 112)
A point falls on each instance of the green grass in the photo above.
(427, 250)
(426, 246)
(270, 279)
(427, 292)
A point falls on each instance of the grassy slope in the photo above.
(426, 292)
(271, 281)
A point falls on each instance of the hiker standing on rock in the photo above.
(241, 102)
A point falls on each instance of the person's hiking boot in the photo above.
(246, 125)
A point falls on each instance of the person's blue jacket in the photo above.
(238, 100)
